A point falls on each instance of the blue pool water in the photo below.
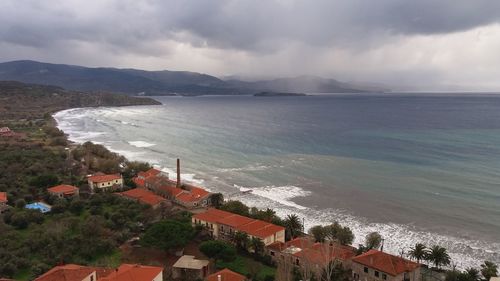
(42, 207)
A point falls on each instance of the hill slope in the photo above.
(134, 81)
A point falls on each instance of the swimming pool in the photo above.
(42, 207)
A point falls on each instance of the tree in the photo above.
(44, 181)
(345, 236)
(337, 232)
(168, 235)
(268, 215)
(472, 274)
(318, 232)
(241, 240)
(489, 269)
(293, 225)
(216, 250)
(438, 256)
(257, 246)
(20, 203)
(236, 207)
(373, 240)
(217, 200)
(418, 252)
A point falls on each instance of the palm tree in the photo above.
(241, 240)
(472, 274)
(257, 245)
(489, 269)
(438, 256)
(419, 252)
(268, 215)
(293, 225)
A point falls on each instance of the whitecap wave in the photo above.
(279, 194)
(464, 252)
(141, 144)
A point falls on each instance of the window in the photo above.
(377, 274)
(384, 276)
(272, 253)
(366, 269)
(91, 277)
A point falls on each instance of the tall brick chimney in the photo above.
(178, 172)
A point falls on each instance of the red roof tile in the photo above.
(149, 173)
(323, 253)
(392, 265)
(104, 178)
(226, 275)
(250, 226)
(63, 188)
(139, 182)
(3, 197)
(133, 272)
(68, 272)
(143, 195)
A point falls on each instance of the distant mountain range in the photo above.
(134, 81)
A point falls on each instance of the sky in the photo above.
(423, 44)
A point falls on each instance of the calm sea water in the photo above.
(416, 168)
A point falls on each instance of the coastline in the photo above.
(387, 231)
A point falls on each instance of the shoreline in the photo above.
(388, 231)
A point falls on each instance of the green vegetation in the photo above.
(333, 232)
(489, 269)
(218, 250)
(87, 230)
(32, 243)
(248, 267)
(168, 235)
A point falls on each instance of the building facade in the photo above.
(376, 265)
(224, 225)
(105, 182)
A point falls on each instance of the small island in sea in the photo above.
(278, 94)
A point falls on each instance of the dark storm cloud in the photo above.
(439, 41)
(247, 25)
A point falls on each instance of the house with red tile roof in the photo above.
(304, 252)
(3, 201)
(105, 182)
(74, 272)
(140, 179)
(376, 265)
(126, 272)
(135, 272)
(226, 275)
(144, 196)
(64, 191)
(223, 225)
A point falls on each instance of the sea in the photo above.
(417, 168)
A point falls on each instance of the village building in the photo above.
(376, 265)
(185, 195)
(105, 182)
(73, 272)
(223, 225)
(189, 268)
(135, 272)
(226, 275)
(126, 272)
(144, 196)
(64, 191)
(304, 252)
(140, 179)
(3, 202)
